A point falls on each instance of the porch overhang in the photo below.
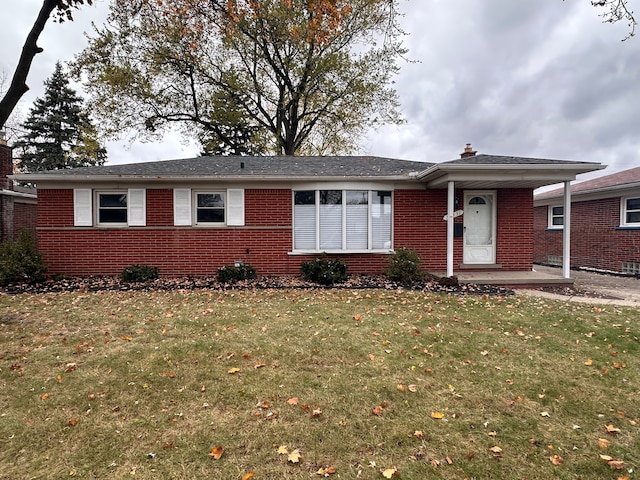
(484, 176)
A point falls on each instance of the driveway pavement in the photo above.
(593, 288)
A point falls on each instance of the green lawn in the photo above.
(350, 383)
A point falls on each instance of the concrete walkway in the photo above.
(606, 289)
(583, 286)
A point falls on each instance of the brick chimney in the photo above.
(468, 151)
(6, 163)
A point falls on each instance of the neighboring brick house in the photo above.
(605, 224)
(192, 216)
(17, 204)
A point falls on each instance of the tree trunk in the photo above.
(18, 85)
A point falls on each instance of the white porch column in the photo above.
(566, 232)
(450, 206)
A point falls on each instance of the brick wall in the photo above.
(595, 240)
(264, 242)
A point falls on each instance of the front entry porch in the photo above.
(515, 280)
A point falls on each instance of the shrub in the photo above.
(139, 273)
(20, 260)
(325, 271)
(236, 273)
(404, 266)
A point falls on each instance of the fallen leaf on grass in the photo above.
(293, 401)
(413, 388)
(390, 473)
(216, 452)
(603, 443)
(72, 422)
(259, 365)
(316, 412)
(326, 471)
(556, 459)
(170, 374)
(233, 370)
(248, 476)
(588, 362)
(437, 415)
(282, 450)
(545, 414)
(294, 457)
(496, 451)
(419, 434)
(44, 396)
(611, 429)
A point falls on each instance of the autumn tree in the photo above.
(58, 131)
(61, 10)
(247, 76)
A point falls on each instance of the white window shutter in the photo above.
(235, 207)
(82, 207)
(182, 206)
(137, 207)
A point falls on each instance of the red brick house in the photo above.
(17, 204)
(605, 224)
(192, 216)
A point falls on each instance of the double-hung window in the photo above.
(341, 220)
(109, 208)
(631, 212)
(112, 208)
(556, 216)
(210, 207)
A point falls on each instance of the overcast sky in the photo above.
(543, 78)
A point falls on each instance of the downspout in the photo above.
(566, 232)
(450, 207)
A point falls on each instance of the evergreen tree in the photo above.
(59, 133)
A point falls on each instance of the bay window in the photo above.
(341, 220)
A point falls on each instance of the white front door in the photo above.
(479, 227)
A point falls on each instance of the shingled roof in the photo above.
(264, 167)
(475, 171)
(615, 181)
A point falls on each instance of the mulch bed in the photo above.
(94, 284)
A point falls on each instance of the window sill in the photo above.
(554, 229)
(384, 251)
(628, 227)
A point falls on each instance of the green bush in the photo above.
(139, 273)
(325, 271)
(404, 266)
(236, 273)
(20, 261)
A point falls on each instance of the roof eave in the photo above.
(56, 178)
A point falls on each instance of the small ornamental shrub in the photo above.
(233, 273)
(139, 273)
(20, 261)
(325, 271)
(404, 266)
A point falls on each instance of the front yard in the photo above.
(338, 383)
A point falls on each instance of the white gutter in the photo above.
(12, 193)
(35, 178)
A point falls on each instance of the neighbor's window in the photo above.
(631, 211)
(342, 220)
(209, 207)
(556, 216)
(112, 208)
